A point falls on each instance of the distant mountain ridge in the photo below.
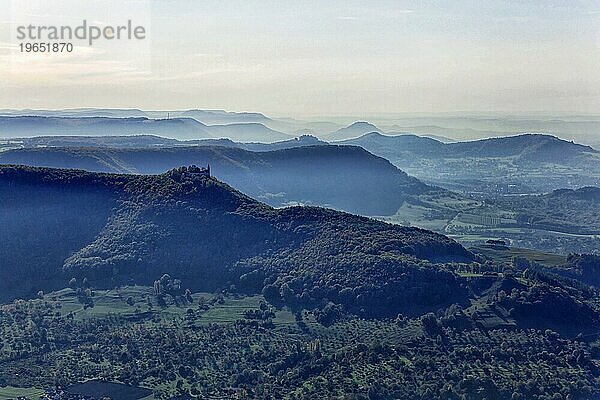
(392, 144)
(154, 141)
(527, 146)
(221, 117)
(342, 177)
(183, 128)
(509, 146)
(78, 112)
(207, 117)
(28, 126)
(446, 127)
(525, 163)
(474, 166)
(247, 132)
(354, 130)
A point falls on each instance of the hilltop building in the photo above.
(199, 171)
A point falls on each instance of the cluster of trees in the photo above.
(83, 291)
(542, 305)
(167, 286)
(353, 358)
(366, 268)
(584, 267)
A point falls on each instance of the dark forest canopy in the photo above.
(117, 228)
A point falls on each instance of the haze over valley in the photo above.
(459, 188)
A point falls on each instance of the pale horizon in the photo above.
(339, 59)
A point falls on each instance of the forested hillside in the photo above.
(119, 228)
(342, 177)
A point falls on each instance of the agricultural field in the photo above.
(8, 393)
(133, 302)
(472, 221)
(220, 346)
(509, 254)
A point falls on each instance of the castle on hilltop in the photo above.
(191, 172)
(199, 171)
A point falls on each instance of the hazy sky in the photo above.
(332, 57)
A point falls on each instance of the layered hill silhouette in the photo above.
(183, 128)
(526, 162)
(154, 141)
(352, 131)
(116, 229)
(208, 117)
(526, 147)
(342, 177)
